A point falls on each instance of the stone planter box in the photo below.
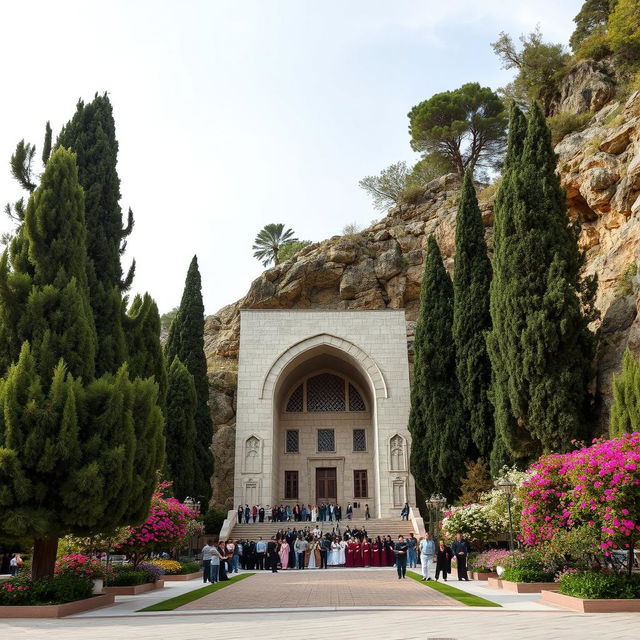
(522, 587)
(182, 577)
(483, 575)
(590, 606)
(57, 610)
(135, 589)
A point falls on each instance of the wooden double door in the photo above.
(326, 485)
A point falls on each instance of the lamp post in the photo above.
(435, 503)
(507, 487)
(194, 507)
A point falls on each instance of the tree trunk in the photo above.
(44, 557)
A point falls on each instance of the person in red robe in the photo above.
(349, 555)
(366, 552)
(357, 554)
(375, 553)
(391, 554)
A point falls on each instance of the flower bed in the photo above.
(134, 590)
(56, 610)
(521, 587)
(587, 605)
(485, 563)
(183, 577)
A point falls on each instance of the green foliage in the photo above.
(91, 135)
(471, 318)
(412, 194)
(624, 283)
(540, 66)
(387, 187)
(430, 167)
(466, 126)
(290, 249)
(186, 342)
(46, 148)
(440, 439)
(55, 590)
(146, 357)
(625, 410)
(166, 320)
(600, 585)
(189, 567)
(624, 33)
(182, 460)
(540, 346)
(591, 21)
(529, 566)
(213, 521)
(22, 165)
(476, 481)
(126, 576)
(563, 124)
(77, 455)
(271, 238)
(595, 47)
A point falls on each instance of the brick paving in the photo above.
(315, 588)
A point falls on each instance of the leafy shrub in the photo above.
(190, 567)
(488, 560)
(529, 566)
(76, 564)
(127, 576)
(597, 584)
(563, 124)
(213, 520)
(412, 194)
(56, 590)
(289, 250)
(595, 47)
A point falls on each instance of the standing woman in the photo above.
(391, 553)
(366, 552)
(284, 554)
(222, 569)
(357, 553)
(443, 560)
(375, 552)
(342, 556)
(314, 513)
(349, 557)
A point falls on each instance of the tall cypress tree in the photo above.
(182, 444)
(471, 318)
(539, 345)
(625, 410)
(440, 437)
(91, 135)
(186, 341)
(77, 455)
(146, 358)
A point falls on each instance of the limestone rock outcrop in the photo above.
(382, 266)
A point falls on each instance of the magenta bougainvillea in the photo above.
(165, 527)
(597, 487)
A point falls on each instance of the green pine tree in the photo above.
(440, 436)
(91, 135)
(471, 318)
(146, 357)
(77, 455)
(625, 410)
(186, 341)
(182, 460)
(539, 345)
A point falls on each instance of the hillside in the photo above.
(381, 267)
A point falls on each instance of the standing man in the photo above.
(412, 545)
(325, 546)
(427, 551)
(272, 554)
(404, 514)
(400, 549)
(261, 514)
(461, 551)
(367, 514)
(207, 552)
(261, 548)
(300, 546)
(240, 514)
(349, 511)
(247, 513)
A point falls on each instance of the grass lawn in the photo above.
(457, 594)
(190, 596)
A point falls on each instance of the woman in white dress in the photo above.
(312, 555)
(314, 513)
(334, 554)
(342, 555)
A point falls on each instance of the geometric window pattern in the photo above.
(359, 441)
(293, 441)
(397, 453)
(326, 440)
(325, 392)
(295, 401)
(355, 401)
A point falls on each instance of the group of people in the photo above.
(296, 513)
(310, 549)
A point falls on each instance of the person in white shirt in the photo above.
(427, 551)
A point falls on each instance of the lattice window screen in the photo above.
(325, 392)
(295, 401)
(293, 441)
(359, 440)
(356, 403)
(326, 440)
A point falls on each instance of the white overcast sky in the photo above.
(233, 114)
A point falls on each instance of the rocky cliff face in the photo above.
(382, 266)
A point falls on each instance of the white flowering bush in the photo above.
(473, 521)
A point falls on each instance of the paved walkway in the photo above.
(315, 588)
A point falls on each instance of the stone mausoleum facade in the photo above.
(322, 410)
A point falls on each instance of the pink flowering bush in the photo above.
(595, 489)
(487, 561)
(165, 528)
(79, 565)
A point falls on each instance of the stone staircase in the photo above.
(375, 527)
